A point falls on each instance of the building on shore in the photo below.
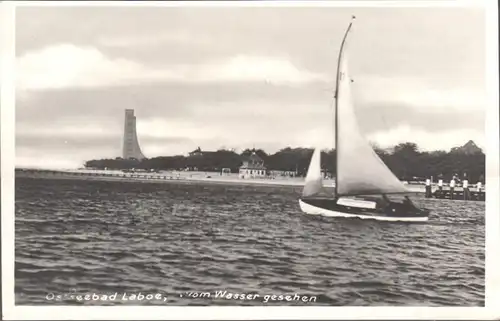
(199, 152)
(131, 148)
(280, 173)
(200, 159)
(253, 167)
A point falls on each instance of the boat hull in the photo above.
(335, 210)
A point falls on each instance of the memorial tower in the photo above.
(131, 147)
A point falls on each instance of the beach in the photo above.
(179, 177)
(163, 177)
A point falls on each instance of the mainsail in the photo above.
(359, 169)
(314, 182)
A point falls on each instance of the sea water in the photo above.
(180, 244)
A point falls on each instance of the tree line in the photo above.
(405, 161)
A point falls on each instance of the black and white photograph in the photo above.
(260, 154)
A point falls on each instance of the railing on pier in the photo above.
(451, 191)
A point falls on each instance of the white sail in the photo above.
(359, 169)
(314, 181)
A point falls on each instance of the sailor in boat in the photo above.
(385, 203)
(408, 203)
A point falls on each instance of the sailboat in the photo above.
(363, 182)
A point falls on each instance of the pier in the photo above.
(455, 191)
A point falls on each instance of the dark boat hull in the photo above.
(393, 212)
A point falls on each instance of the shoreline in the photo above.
(168, 180)
(176, 177)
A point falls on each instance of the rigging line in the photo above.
(332, 101)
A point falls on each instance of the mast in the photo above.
(339, 75)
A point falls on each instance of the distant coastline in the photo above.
(405, 160)
(178, 177)
(161, 178)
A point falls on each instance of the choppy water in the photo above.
(84, 237)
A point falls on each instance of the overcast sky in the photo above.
(241, 77)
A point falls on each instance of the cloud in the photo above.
(171, 120)
(67, 66)
(382, 116)
(179, 37)
(45, 161)
(317, 137)
(240, 77)
(70, 129)
(424, 96)
(429, 141)
(171, 100)
(161, 128)
(244, 68)
(67, 148)
(244, 127)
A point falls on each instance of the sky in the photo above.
(241, 77)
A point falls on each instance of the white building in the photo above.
(253, 167)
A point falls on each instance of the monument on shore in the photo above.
(131, 149)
